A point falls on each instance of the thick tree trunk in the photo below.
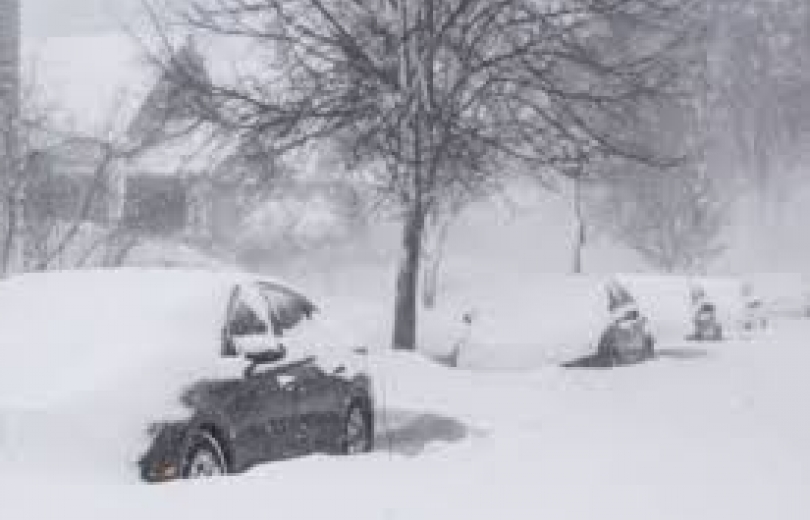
(407, 296)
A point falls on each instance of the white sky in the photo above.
(43, 18)
(83, 61)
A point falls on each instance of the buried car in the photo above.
(171, 374)
(626, 340)
(705, 322)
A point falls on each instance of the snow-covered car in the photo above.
(626, 340)
(172, 374)
(706, 325)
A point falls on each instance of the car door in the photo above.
(276, 421)
(319, 398)
(319, 395)
(262, 410)
(261, 415)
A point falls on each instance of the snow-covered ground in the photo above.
(709, 431)
(714, 431)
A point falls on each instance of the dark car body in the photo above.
(624, 342)
(627, 343)
(280, 407)
(706, 324)
(285, 411)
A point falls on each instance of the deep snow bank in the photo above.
(709, 436)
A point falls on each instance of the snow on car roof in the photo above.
(70, 332)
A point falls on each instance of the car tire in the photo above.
(717, 333)
(204, 457)
(649, 346)
(358, 431)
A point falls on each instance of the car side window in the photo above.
(247, 315)
(245, 321)
(287, 309)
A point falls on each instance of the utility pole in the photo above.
(580, 237)
(9, 53)
(12, 196)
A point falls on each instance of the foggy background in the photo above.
(84, 61)
(43, 18)
(510, 275)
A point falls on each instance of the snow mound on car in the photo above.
(90, 358)
(70, 333)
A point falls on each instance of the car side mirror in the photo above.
(247, 325)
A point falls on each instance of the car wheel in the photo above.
(204, 457)
(649, 346)
(358, 431)
(718, 333)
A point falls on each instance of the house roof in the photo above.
(103, 85)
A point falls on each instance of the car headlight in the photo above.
(159, 462)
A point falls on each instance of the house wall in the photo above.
(60, 187)
(156, 205)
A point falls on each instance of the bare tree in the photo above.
(759, 86)
(441, 96)
(28, 133)
(84, 228)
(672, 218)
(60, 190)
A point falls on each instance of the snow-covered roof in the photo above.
(99, 85)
